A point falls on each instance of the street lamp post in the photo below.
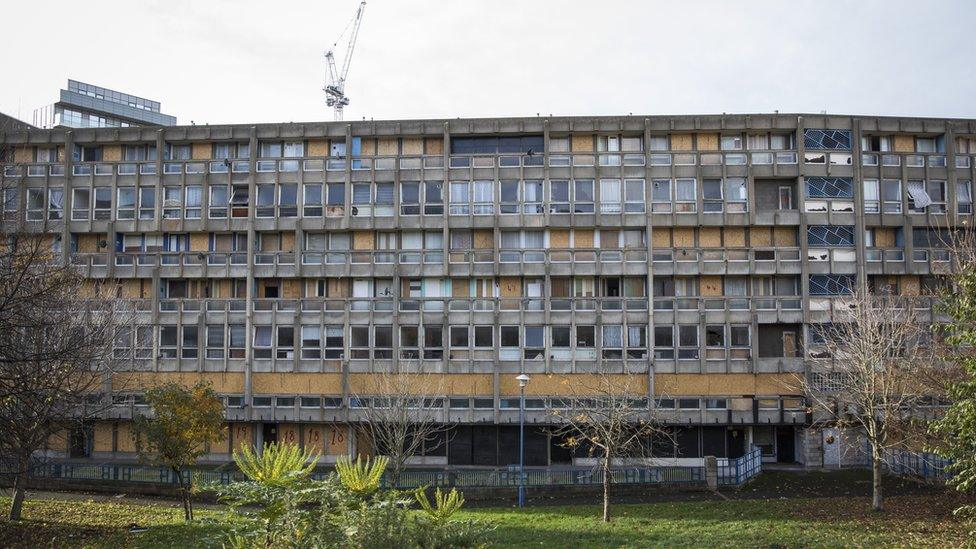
(522, 380)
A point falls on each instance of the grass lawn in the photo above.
(914, 518)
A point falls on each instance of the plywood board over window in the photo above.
(460, 287)
(112, 153)
(910, 285)
(760, 236)
(735, 237)
(433, 145)
(708, 142)
(291, 288)
(511, 286)
(199, 242)
(583, 238)
(661, 237)
(682, 142)
(582, 143)
(25, 155)
(318, 147)
(484, 239)
(288, 242)
(784, 236)
(337, 287)
(412, 145)
(363, 240)
(710, 237)
(559, 238)
(387, 146)
(904, 143)
(201, 150)
(684, 237)
(884, 238)
(711, 286)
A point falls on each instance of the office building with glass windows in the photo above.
(287, 263)
(84, 105)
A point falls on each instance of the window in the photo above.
(830, 235)
(410, 198)
(147, 202)
(716, 403)
(610, 196)
(830, 187)
(964, 197)
(613, 341)
(262, 342)
(712, 195)
(55, 203)
(731, 143)
(236, 341)
(288, 200)
(459, 336)
(334, 342)
(736, 194)
(559, 197)
(634, 195)
(189, 342)
(385, 194)
(80, 204)
(433, 198)
(218, 202)
(816, 139)
(11, 199)
(382, 342)
(937, 194)
(831, 284)
(311, 341)
(172, 202)
(688, 341)
(215, 341)
(583, 196)
(661, 195)
(685, 195)
(891, 196)
(312, 200)
(689, 404)
(534, 342)
(167, 341)
(532, 197)
(484, 337)
(664, 342)
(194, 200)
(872, 196)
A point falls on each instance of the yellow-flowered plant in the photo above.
(361, 477)
(444, 505)
(277, 464)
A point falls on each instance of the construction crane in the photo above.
(335, 85)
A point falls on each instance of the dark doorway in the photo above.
(269, 433)
(79, 442)
(713, 442)
(559, 453)
(736, 443)
(459, 451)
(785, 446)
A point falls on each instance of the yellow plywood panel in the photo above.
(88, 243)
(576, 384)
(784, 236)
(484, 239)
(661, 237)
(58, 441)
(511, 286)
(296, 383)
(710, 237)
(460, 287)
(884, 238)
(735, 237)
(112, 153)
(23, 155)
(337, 287)
(387, 146)
(760, 236)
(242, 435)
(582, 143)
(904, 143)
(910, 285)
(412, 145)
(433, 145)
(228, 382)
(708, 142)
(289, 433)
(363, 240)
(583, 238)
(682, 142)
(559, 238)
(368, 147)
(102, 436)
(288, 242)
(711, 286)
(318, 147)
(427, 384)
(727, 384)
(326, 439)
(199, 242)
(291, 288)
(684, 237)
(126, 439)
(201, 150)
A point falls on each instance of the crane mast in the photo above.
(335, 85)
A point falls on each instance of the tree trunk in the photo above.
(606, 490)
(184, 495)
(17, 505)
(877, 504)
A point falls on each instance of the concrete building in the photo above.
(84, 105)
(286, 262)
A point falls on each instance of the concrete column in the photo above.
(711, 472)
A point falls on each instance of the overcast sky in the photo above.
(249, 61)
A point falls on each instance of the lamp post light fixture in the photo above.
(523, 380)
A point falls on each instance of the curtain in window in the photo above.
(482, 191)
(194, 196)
(636, 336)
(360, 194)
(384, 193)
(459, 193)
(735, 189)
(613, 336)
(533, 191)
(610, 190)
(916, 190)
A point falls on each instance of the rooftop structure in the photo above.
(84, 105)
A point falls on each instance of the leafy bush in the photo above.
(347, 509)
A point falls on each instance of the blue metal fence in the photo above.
(737, 472)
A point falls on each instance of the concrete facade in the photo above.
(287, 262)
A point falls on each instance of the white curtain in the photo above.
(613, 337)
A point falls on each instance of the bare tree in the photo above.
(397, 418)
(56, 350)
(869, 383)
(610, 417)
